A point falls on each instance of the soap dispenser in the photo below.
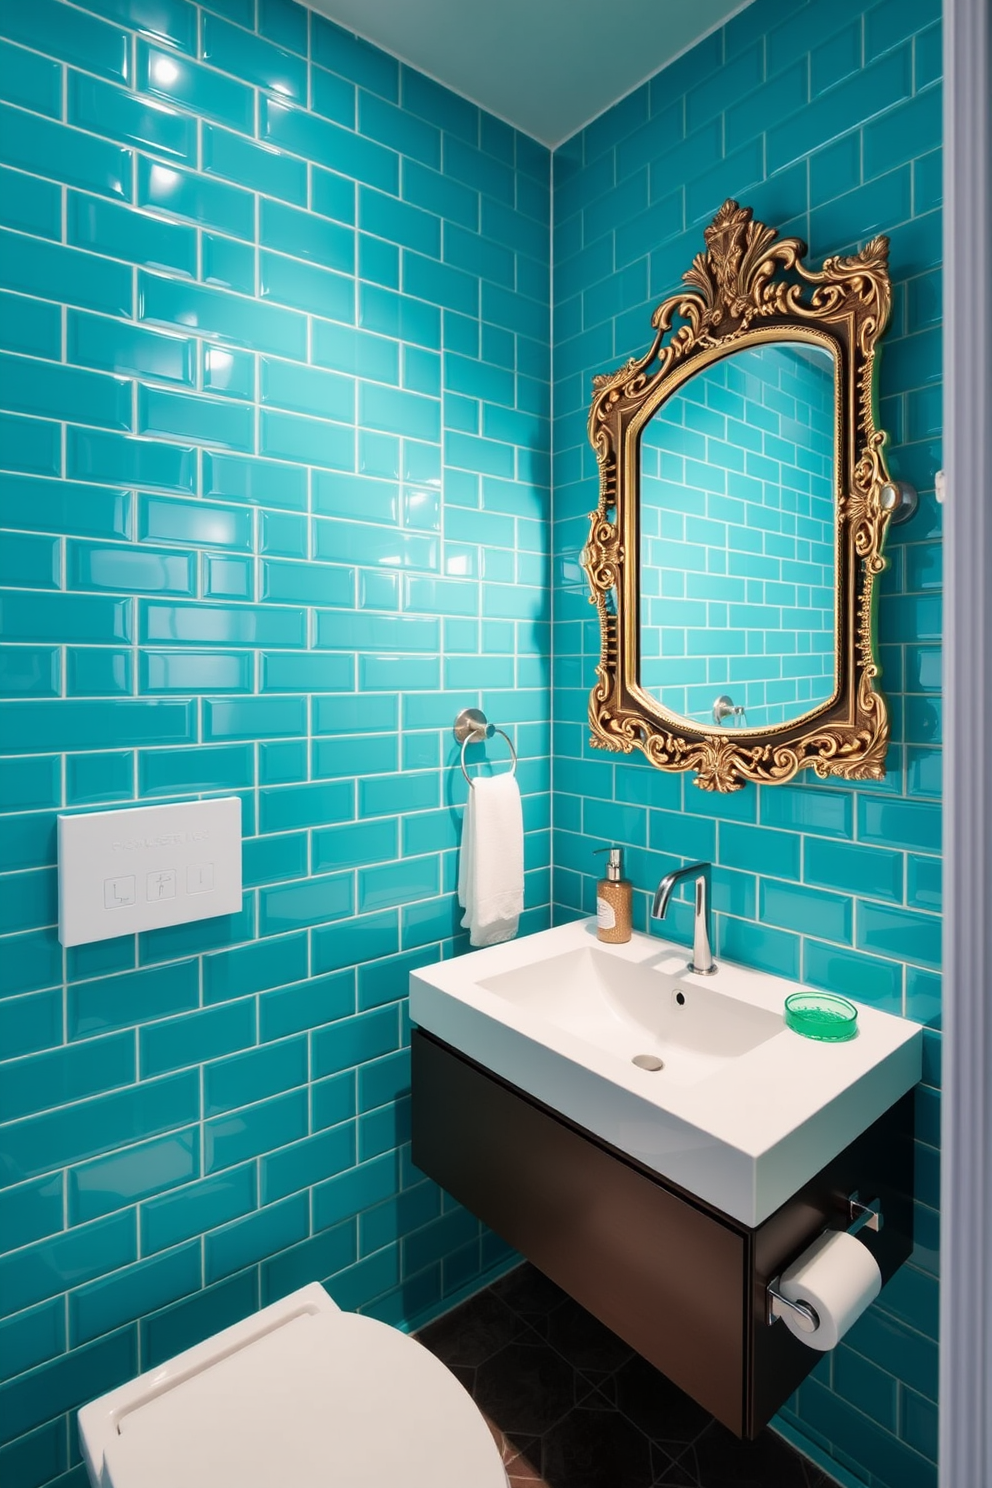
(613, 900)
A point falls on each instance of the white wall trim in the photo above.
(966, 1187)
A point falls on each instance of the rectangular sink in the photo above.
(634, 1009)
(697, 1078)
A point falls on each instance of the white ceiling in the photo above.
(546, 66)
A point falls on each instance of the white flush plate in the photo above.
(142, 868)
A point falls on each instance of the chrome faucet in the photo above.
(702, 940)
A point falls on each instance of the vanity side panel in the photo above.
(668, 1278)
(878, 1164)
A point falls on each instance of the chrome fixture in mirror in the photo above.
(744, 499)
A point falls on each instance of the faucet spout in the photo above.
(702, 939)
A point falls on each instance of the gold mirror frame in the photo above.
(745, 290)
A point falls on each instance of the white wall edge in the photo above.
(966, 1185)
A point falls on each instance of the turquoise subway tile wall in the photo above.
(825, 118)
(275, 381)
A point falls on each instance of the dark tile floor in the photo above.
(571, 1406)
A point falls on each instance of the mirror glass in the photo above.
(738, 540)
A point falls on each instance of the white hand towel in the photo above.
(491, 862)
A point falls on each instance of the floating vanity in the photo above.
(664, 1195)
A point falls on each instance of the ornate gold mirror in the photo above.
(744, 499)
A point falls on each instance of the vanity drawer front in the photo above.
(668, 1278)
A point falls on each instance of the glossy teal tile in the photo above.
(195, 1208)
(188, 416)
(321, 1256)
(389, 795)
(31, 961)
(30, 784)
(31, 445)
(217, 768)
(351, 1041)
(352, 1192)
(258, 482)
(337, 49)
(123, 1178)
(72, 36)
(110, 346)
(305, 390)
(364, 755)
(255, 1075)
(391, 884)
(95, 778)
(297, 1009)
(30, 671)
(179, 1327)
(898, 932)
(46, 390)
(69, 1381)
(103, 724)
(30, 81)
(198, 199)
(328, 144)
(271, 859)
(169, 20)
(109, 111)
(195, 671)
(254, 60)
(49, 1267)
(249, 1240)
(225, 625)
(284, 22)
(47, 269)
(313, 902)
(308, 1162)
(306, 287)
(28, 841)
(107, 1003)
(302, 235)
(45, 148)
(908, 824)
(174, 78)
(94, 455)
(43, 1081)
(282, 762)
(30, 204)
(258, 167)
(133, 1292)
(867, 978)
(256, 1129)
(114, 230)
(30, 326)
(99, 671)
(214, 313)
(129, 570)
(355, 941)
(31, 1211)
(196, 1037)
(30, 900)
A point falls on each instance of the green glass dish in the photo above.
(821, 1015)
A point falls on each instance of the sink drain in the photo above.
(648, 1061)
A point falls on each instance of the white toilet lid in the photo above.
(328, 1400)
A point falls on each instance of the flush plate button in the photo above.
(145, 867)
(118, 892)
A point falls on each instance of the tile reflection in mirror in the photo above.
(738, 537)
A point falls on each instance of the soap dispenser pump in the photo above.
(614, 894)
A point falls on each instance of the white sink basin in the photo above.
(742, 1111)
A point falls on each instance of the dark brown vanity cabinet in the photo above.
(681, 1282)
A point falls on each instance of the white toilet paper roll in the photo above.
(839, 1277)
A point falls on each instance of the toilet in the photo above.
(301, 1395)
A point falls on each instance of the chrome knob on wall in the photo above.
(725, 708)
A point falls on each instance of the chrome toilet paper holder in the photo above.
(860, 1217)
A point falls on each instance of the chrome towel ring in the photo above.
(473, 727)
